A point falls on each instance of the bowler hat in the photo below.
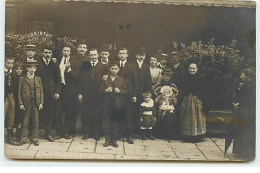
(81, 41)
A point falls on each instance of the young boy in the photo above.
(30, 99)
(9, 105)
(30, 52)
(18, 68)
(114, 90)
(104, 55)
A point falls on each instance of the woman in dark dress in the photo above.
(245, 118)
(192, 113)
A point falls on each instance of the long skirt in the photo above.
(192, 117)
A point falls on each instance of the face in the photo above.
(47, 54)
(166, 92)
(193, 69)
(244, 77)
(19, 70)
(66, 52)
(114, 70)
(82, 49)
(30, 53)
(9, 64)
(104, 56)
(147, 98)
(166, 77)
(153, 61)
(122, 55)
(140, 57)
(31, 69)
(163, 62)
(93, 55)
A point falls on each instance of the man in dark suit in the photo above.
(144, 80)
(128, 72)
(69, 87)
(113, 92)
(51, 81)
(90, 81)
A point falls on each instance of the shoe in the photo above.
(35, 142)
(143, 136)
(49, 138)
(56, 137)
(130, 140)
(85, 136)
(151, 135)
(67, 136)
(97, 138)
(106, 144)
(114, 143)
(11, 139)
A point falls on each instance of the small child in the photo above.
(114, 90)
(18, 68)
(147, 116)
(166, 101)
(30, 99)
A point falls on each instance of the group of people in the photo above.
(114, 96)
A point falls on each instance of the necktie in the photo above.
(93, 64)
(122, 64)
(47, 61)
(9, 78)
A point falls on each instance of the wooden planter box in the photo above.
(218, 121)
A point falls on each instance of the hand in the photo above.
(67, 65)
(117, 90)
(134, 99)
(40, 107)
(109, 89)
(141, 119)
(105, 77)
(80, 98)
(56, 96)
(22, 107)
(235, 105)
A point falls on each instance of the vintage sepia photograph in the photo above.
(131, 80)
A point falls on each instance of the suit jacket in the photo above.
(129, 74)
(50, 77)
(76, 63)
(90, 80)
(117, 98)
(10, 89)
(144, 78)
(24, 90)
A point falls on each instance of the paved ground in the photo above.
(209, 150)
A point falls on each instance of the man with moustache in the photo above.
(51, 82)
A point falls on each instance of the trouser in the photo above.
(47, 114)
(31, 114)
(126, 124)
(69, 115)
(110, 123)
(91, 119)
(9, 110)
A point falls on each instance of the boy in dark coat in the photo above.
(30, 99)
(114, 91)
(9, 103)
(18, 68)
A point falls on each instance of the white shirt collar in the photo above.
(29, 75)
(95, 63)
(30, 60)
(140, 63)
(6, 70)
(45, 60)
(113, 78)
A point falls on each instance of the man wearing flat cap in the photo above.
(30, 52)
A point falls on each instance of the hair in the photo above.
(105, 50)
(166, 71)
(249, 72)
(93, 49)
(113, 63)
(9, 58)
(18, 64)
(145, 94)
(48, 45)
(123, 48)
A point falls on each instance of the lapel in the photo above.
(27, 80)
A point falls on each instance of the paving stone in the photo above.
(219, 141)
(110, 149)
(187, 150)
(19, 154)
(136, 149)
(82, 146)
(51, 146)
(160, 149)
(73, 155)
(213, 153)
(14, 147)
(207, 142)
